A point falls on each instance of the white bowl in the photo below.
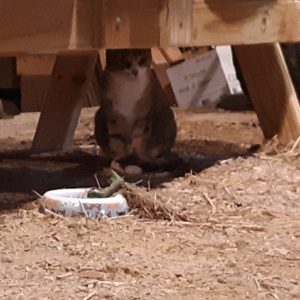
(74, 201)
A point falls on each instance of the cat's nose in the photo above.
(135, 72)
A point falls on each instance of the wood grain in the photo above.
(59, 117)
(35, 64)
(215, 22)
(271, 90)
(50, 26)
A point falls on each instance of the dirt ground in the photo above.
(240, 238)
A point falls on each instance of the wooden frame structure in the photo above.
(45, 26)
(82, 26)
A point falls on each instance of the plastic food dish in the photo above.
(75, 201)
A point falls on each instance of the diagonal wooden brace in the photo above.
(70, 78)
(271, 90)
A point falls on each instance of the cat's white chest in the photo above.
(127, 91)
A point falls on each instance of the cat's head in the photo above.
(133, 62)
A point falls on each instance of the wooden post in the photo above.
(271, 90)
(70, 78)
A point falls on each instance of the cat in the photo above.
(135, 124)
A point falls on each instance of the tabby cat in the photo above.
(134, 125)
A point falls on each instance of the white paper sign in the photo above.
(201, 81)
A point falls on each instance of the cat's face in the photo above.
(132, 62)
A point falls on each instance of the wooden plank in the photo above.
(271, 90)
(177, 23)
(45, 26)
(58, 120)
(217, 22)
(35, 64)
(36, 74)
(49, 26)
(130, 23)
(160, 66)
(83, 28)
(33, 92)
(102, 54)
(93, 94)
(172, 55)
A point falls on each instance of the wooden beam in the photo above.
(134, 23)
(45, 26)
(271, 90)
(34, 65)
(58, 120)
(35, 72)
(230, 22)
(172, 55)
(50, 26)
(130, 23)
(93, 92)
(33, 92)
(160, 66)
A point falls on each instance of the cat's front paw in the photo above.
(129, 170)
(133, 170)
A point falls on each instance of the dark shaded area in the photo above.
(10, 102)
(21, 173)
(11, 94)
(240, 76)
(292, 55)
(238, 102)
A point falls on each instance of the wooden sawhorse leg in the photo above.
(271, 90)
(70, 77)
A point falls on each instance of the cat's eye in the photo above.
(142, 61)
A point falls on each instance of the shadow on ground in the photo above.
(21, 173)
